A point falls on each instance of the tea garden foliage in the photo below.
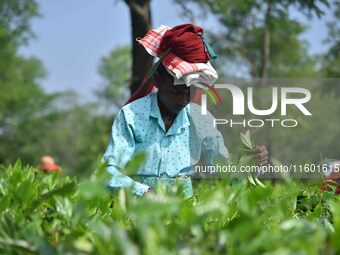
(57, 214)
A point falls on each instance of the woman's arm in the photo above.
(119, 152)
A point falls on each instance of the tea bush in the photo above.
(56, 214)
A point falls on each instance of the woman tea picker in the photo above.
(158, 123)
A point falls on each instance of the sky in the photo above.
(72, 36)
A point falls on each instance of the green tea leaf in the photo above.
(246, 140)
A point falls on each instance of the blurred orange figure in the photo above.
(47, 164)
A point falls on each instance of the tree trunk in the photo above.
(265, 64)
(140, 13)
(266, 49)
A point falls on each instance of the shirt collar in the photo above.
(182, 119)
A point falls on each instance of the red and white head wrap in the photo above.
(183, 52)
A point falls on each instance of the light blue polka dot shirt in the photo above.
(139, 127)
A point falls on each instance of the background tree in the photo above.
(32, 122)
(331, 59)
(140, 14)
(21, 97)
(256, 33)
(115, 69)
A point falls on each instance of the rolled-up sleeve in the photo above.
(119, 151)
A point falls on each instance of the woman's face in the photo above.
(173, 97)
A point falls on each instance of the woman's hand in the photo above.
(261, 154)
